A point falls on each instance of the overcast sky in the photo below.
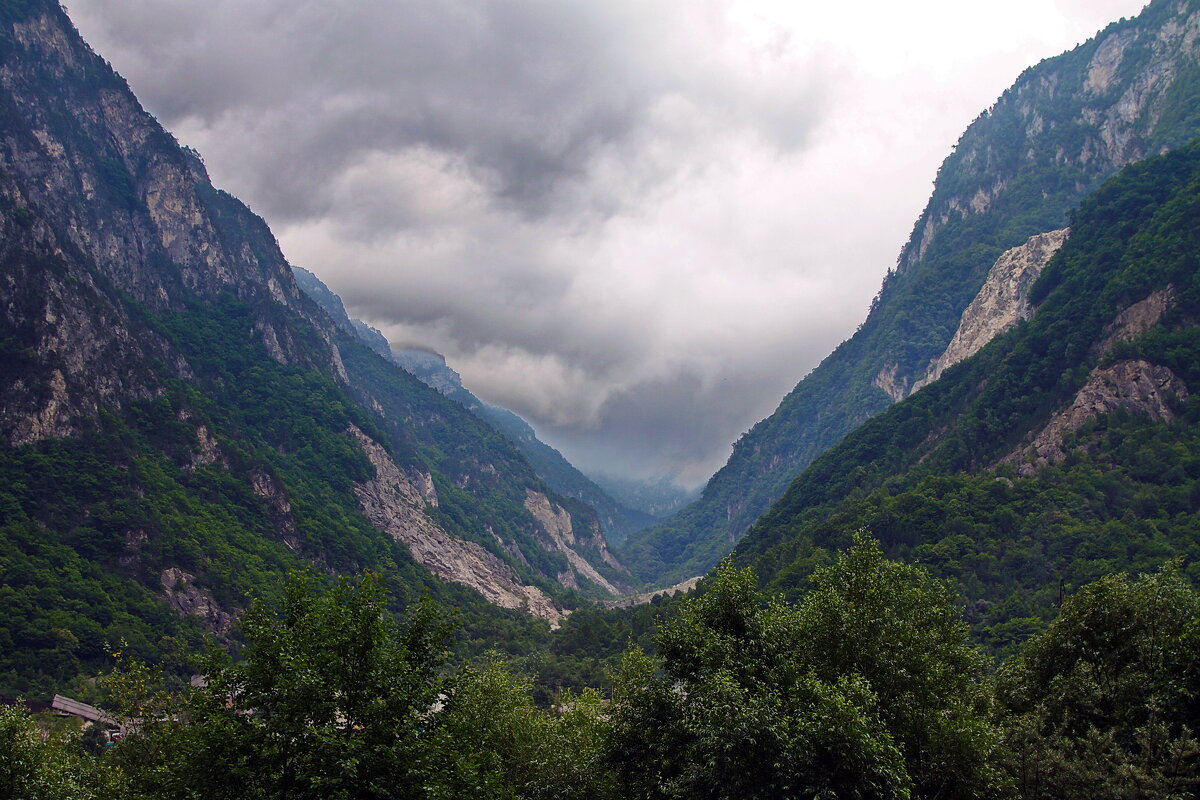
(638, 223)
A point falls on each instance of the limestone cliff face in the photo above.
(1137, 319)
(72, 350)
(394, 502)
(560, 534)
(180, 591)
(117, 185)
(1122, 97)
(1001, 303)
(893, 387)
(1135, 386)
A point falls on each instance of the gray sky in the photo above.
(638, 223)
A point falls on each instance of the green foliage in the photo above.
(897, 628)
(731, 709)
(328, 700)
(333, 698)
(868, 688)
(1104, 703)
(493, 741)
(34, 766)
(940, 478)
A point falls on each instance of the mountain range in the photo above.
(185, 417)
(616, 520)
(182, 424)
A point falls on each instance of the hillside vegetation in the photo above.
(1063, 127)
(867, 688)
(1062, 452)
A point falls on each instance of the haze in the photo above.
(637, 224)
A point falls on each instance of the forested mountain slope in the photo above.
(180, 425)
(616, 520)
(1018, 170)
(1065, 450)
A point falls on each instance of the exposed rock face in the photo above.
(70, 350)
(886, 380)
(1001, 303)
(394, 503)
(1136, 386)
(1120, 104)
(556, 523)
(207, 449)
(1137, 319)
(190, 601)
(267, 486)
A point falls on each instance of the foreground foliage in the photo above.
(868, 687)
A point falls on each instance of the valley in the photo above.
(291, 558)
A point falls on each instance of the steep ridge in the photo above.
(1066, 449)
(180, 425)
(1017, 171)
(616, 520)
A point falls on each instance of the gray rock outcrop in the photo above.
(1136, 386)
(1001, 303)
(394, 502)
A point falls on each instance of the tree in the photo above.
(328, 700)
(494, 742)
(1104, 703)
(37, 767)
(896, 628)
(729, 710)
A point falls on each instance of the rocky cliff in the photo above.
(1001, 303)
(101, 204)
(1136, 387)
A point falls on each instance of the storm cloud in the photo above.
(637, 224)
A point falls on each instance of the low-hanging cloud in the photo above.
(636, 223)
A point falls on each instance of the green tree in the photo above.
(1104, 703)
(328, 700)
(729, 710)
(494, 742)
(337, 691)
(897, 629)
(37, 767)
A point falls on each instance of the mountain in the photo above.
(1066, 449)
(616, 520)
(1018, 170)
(180, 425)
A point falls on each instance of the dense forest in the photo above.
(964, 477)
(868, 687)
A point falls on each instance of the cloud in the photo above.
(636, 223)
